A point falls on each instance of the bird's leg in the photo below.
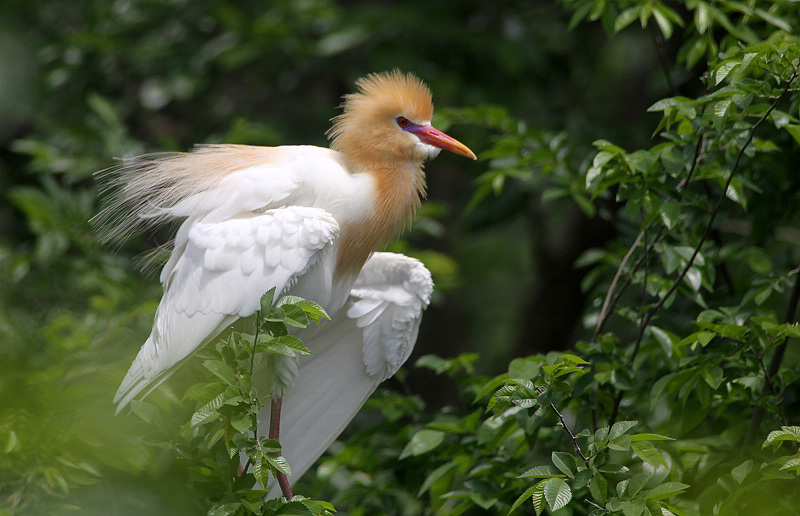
(274, 433)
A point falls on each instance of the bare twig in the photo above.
(696, 161)
(255, 341)
(658, 40)
(607, 305)
(593, 504)
(566, 428)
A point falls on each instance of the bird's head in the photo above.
(388, 123)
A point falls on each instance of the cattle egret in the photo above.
(306, 221)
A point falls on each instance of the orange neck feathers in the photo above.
(370, 141)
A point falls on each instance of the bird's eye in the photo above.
(402, 121)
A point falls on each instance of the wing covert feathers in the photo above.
(218, 273)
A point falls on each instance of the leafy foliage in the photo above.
(679, 392)
(223, 429)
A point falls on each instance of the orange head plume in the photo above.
(388, 121)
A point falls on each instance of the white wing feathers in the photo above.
(218, 273)
(388, 298)
(364, 343)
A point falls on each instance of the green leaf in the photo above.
(665, 490)
(794, 131)
(221, 370)
(721, 107)
(521, 498)
(208, 412)
(792, 463)
(313, 311)
(786, 433)
(538, 499)
(540, 472)
(436, 475)
(666, 340)
(204, 392)
(740, 472)
(12, 441)
(626, 17)
(295, 316)
(423, 441)
(261, 472)
(662, 20)
(228, 509)
(294, 508)
(557, 493)
(702, 17)
(523, 368)
(724, 69)
(598, 487)
(633, 508)
(569, 358)
(274, 315)
(286, 345)
(621, 443)
(669, 212)
(267, 299)
(651, 437)
(241, 423)
(713, 376)
(658, 389)
(648, 453)
(278, 462)
(636, 483)
(619, 428)
(564, 462)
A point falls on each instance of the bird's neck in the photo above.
(398, 193)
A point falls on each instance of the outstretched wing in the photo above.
(362, 345)
(217, 273)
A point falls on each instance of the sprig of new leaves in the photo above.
(614, 471)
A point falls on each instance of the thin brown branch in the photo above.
(696, 161)
(566, 429)
(658, 41)
(607, 305)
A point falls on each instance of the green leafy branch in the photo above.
(224, 424)
(587, 472)
(647, 318)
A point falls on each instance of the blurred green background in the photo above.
(84, 82)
